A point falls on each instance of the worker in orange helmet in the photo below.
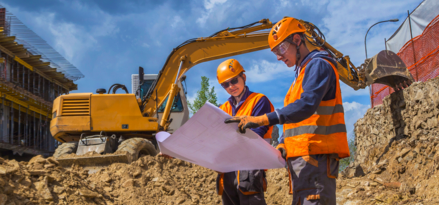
(314, 132)
(243, 186)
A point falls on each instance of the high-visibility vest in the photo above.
(322, 133)
(246, 109)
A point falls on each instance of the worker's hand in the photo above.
(248, 121)
(283, 152)
(165, 156)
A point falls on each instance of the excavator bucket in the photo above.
(387, 68)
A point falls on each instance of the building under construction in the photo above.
(32, 75)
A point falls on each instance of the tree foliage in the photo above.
(346, 161)
(203, 95)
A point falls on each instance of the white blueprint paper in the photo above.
(207, 141)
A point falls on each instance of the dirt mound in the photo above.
(149, 180)
(396, 160)
(156, 180)
(42, 181)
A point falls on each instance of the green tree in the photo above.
(203, 95)
(346, 161)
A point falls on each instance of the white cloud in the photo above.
(177, 21)
(263, 71)
(352, 112)
(209, 6)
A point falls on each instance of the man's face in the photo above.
(235, 89)
(286, 52)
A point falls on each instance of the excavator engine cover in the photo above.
(387, 68)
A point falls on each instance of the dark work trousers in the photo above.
(313, 178)
(233, 196)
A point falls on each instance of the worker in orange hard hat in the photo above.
(243, 186)
(314, 132)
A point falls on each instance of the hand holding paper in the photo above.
(207, 141)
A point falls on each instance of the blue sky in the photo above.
(107, 40)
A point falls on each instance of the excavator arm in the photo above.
(386, 67)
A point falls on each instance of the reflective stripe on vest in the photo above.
(322, 133)
(246, 109)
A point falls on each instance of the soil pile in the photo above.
(42, 181)
(397, 142)
(156, 180)
(149, 180)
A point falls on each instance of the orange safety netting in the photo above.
(426, 52)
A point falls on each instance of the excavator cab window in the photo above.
(145, 87)
(177, 106)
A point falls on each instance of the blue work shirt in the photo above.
(262, 107)
(319, 83)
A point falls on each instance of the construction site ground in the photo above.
(396, 162)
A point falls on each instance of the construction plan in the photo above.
(207, 141)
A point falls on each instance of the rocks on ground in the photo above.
(397, 157)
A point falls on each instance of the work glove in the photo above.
(248, 122)
(283, 153)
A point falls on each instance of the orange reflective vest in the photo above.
(322, 133)
(246, 109)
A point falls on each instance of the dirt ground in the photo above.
(149, 180)
(156, 180)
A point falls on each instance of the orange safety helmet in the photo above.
(228, 70)
(282, 29)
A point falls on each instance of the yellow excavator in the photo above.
(104, 128)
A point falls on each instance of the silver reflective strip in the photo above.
(313, 129)
(329, 110)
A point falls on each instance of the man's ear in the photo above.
(244, 77)
(297, 39)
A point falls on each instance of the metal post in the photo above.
(33, 131)
(3, 118)
(38, 86)
(385, 44)
(19, 124)
(12, 123)
(24, 70)
(28, 80)
(413, 45)
(39, 133)
(18, 73)
(26, 137)
(7, 127)
(12, 71)
(43, 94)
(33, 82)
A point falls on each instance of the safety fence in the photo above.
(420, 55)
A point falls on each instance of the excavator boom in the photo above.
(385, 67)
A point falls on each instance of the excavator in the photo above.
(103, 128)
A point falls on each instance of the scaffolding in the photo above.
(32, 75)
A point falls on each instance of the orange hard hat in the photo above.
(282, 29)
(228, 70)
